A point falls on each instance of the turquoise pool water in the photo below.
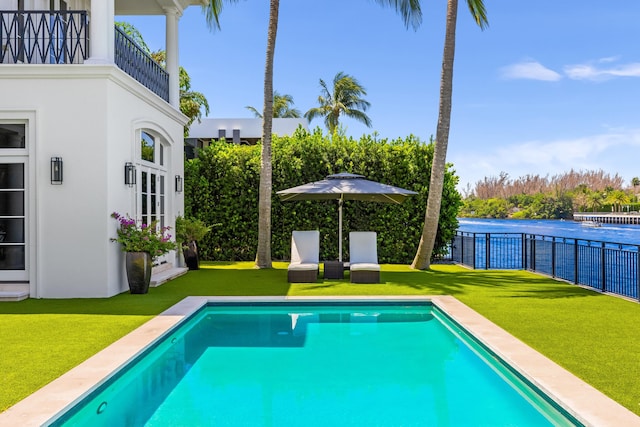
(316, 365)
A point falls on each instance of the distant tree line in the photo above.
(536, 197)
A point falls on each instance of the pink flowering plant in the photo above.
(135, 236)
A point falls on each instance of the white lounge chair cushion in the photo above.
(303, 266)
(363, 248)
(364, 266)
(305, 250)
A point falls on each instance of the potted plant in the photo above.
(142, 244)
(188, 232)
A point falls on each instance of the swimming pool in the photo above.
(317, 361)
(315, 365)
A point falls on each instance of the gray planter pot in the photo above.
(138, 265)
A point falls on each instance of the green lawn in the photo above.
(597, 337)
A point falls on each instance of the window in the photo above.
(147, 147)
(12, 199)
(12, 136)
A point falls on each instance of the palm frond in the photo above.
(409, 10)
(478, 12)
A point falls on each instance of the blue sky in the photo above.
(549, 86)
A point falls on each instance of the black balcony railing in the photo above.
(140, 65)
(44, 37)
(62, 37)
(605, 266)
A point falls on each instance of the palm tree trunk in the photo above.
(422, 259)
(263, 254)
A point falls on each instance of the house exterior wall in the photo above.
(91, 117)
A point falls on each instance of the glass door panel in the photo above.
(152, 197)
(12, 218)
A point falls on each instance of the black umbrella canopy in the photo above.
(346, 186)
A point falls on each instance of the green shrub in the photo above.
(221, 186)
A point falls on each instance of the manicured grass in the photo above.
(592, 335)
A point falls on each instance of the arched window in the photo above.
(153, 179)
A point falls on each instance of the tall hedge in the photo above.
(221, 187)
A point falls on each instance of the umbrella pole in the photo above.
(340, 229)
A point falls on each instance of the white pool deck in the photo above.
(585, 403)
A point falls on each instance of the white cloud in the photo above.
(610, 152)
(591, 72)
(531, 70)
(598, 70)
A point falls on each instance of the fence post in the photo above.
(553, 256)
(474, 251)
(603, 268)
(487, 250)
(461, 235)
(533, 253)
(575, 261)
(638, 271)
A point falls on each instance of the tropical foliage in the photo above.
(499, 197)
(191, 102)
(282, 107)
(345, 98)
(222, 182)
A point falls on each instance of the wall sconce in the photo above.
(56, 170)
(129, 174)
(178, 184)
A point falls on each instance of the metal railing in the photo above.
(140, 65)
(605, 266)
(62, 37)
(44, 37)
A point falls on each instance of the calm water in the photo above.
(625, 233)
(314, 366)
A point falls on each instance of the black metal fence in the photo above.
(44, 37)
(62, 37)
(605, 266)
(140, 65)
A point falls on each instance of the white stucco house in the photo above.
(78, 102)
(237, 131)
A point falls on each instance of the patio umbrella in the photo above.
(346, 186)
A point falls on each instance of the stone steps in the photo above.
(166, 274)
(13, 295)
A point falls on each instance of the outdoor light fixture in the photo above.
(178, 184)
(129, 174)
(56, 170)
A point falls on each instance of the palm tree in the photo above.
(635, 181)
(281, 107)
(422, 259)
(410, 11)
(594, 200)
(345, 98)
(263, 253)
(617, 198)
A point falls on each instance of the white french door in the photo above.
(13, 219)
(152, 197)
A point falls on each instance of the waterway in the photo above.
(616, 233)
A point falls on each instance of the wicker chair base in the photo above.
(364, 276)
(302, 276)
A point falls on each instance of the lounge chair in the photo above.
(305, 257)
(363, 257)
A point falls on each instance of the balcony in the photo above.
(62, 37)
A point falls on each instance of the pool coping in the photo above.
(588, 405)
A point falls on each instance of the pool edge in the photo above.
(588, 405)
